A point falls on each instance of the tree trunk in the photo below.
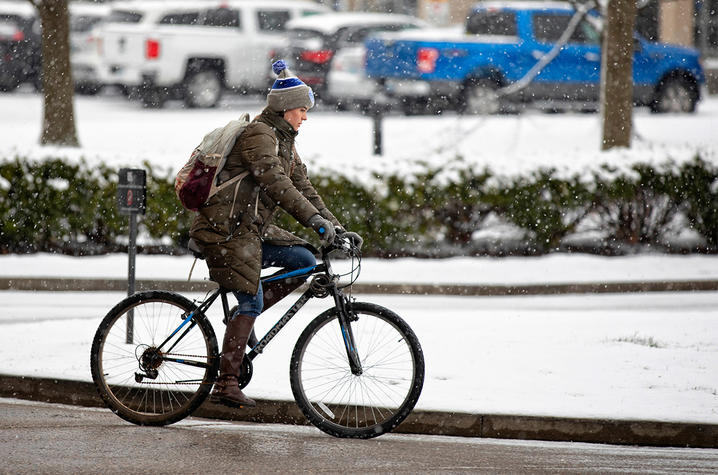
(617, 73)
(58, 127)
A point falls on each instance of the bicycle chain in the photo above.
(183, 383)
(185, 356)
(170, 384)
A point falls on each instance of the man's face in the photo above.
(295, 117)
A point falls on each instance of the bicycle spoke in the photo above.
(357, 405)
(136, 379)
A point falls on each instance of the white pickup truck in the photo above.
(194, 50)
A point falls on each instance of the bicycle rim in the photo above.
(145, 384)
(361, 406)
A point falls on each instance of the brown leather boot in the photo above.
(252, 342)
(226, 390)
(276, 291)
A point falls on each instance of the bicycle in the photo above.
(356, 370)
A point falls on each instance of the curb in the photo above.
(120, 285)
(608, 431)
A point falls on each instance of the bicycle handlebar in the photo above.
(343, 244)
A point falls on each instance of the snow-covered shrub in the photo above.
(548, 208)
(38, 215)
(638, 208)
(697, 190)
(69, 207)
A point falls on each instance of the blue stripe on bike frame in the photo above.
(294, 273)
(189, 317)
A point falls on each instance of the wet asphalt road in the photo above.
(51, 438)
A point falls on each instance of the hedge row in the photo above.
(56, 206)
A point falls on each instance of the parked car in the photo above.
(314, 41)
(85, 19)
(20, 58)
(503, 41)
(348, 84)
(194, 50)
(20, 43)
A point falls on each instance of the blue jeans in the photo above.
(287, 257)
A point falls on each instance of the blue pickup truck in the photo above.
(476, 69)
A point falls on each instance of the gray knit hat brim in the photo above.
(288, 91)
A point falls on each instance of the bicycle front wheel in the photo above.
(364, 405)
(145, 369)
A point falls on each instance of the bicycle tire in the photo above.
(133, 379)
(364, 406)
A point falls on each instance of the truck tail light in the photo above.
(319, 56)
(152, 49)
(18, 35)
(426, 59)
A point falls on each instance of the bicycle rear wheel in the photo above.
(142, 382)
(359, 406)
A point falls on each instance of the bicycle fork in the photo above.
(345, 319)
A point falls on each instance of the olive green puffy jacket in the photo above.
(230, 228)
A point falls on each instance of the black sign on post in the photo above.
(132, 191)
(131, 196)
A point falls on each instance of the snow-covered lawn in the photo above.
(120, 133)
(551, 268)
(633, 356)
(639, 356)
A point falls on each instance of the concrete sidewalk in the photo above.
(619, 432)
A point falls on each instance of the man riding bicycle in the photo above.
(234, 228)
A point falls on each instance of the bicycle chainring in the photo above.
(245, 373)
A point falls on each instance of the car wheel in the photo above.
(203, 89)
(414, 106)
(481, 97)
(675, 95)
(9, 81)
(8, 86)
(88, 89)
(153, 97)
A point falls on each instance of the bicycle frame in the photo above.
(340, 301)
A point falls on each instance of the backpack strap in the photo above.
(231, 181)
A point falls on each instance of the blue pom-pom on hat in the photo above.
(279, 66)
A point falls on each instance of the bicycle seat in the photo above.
(195, 249)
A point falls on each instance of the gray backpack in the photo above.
(201, 177)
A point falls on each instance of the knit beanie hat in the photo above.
(288, 91)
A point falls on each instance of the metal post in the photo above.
(131, 198)
(377, 118)
(131, 253)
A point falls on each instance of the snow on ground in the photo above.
(647, 356)
(634, 356)
(552, 268)
(121, 133)
(631, 356)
